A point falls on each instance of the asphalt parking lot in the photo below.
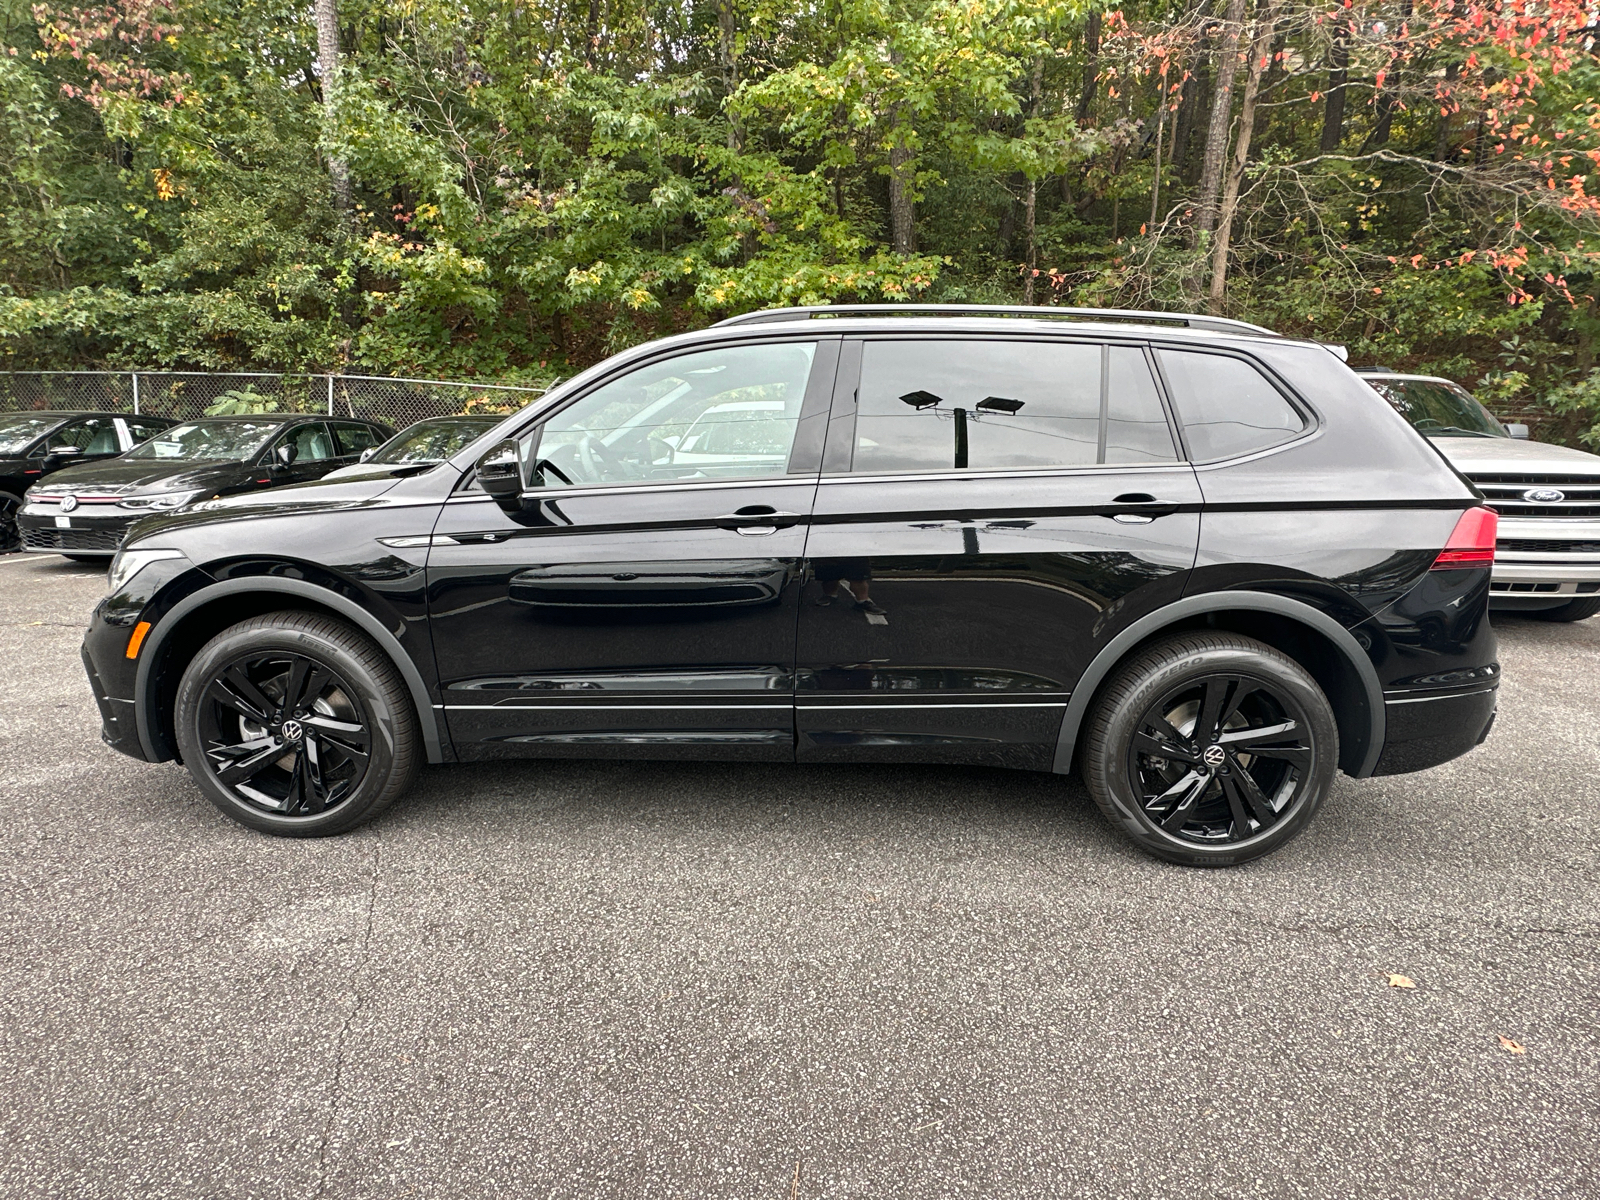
(742, 981)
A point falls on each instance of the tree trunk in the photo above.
(328, 66)
(1091, 67)
(902, 209)
(1260, 54)
(1221, 117)
(1188, 106)
(1033, 250)
(1441, 142)
(1333, 106)
(728, 61)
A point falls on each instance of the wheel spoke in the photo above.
(1250, 791)
(236, 691)
(316, 789)
(1184, 794)
(1218, 702)
(1177, 748)
(242, 762)
(343, 732)
(1240, 829)
(294, 798)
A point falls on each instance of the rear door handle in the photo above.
(755, 519)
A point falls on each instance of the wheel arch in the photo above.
(1326, 649)
(198, 617)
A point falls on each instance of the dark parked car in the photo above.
(1204, 565)
(424, 443)
(86, 511)
(34, 445)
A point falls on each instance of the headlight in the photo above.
(162, 501)
(129, 563)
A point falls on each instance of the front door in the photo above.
(990, 513)
(643, 601)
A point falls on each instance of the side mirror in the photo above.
(60, 454)
(368, 453)
(500, 474)
(1518, 430)
(286, 454)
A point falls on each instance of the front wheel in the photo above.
(1572, 610)
(295, 724)
(1211, 749)
(10, 505)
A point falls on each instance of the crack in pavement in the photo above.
(349, 1018)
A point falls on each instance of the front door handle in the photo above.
(757, 519)
(1139, 508)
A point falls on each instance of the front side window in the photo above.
(353, 439)
(142, 431)
(729, 413)
(207, 440)
(1227, 407)
(98, 435)
(981, 404)
(311, 443)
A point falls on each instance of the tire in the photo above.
(10, 505)
(318, 691)
(1219, 800)
(1572, 610)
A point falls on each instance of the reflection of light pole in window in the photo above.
(920, 400)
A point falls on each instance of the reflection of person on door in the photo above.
(855, 574)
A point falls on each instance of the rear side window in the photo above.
(987, 404)
(1226, 406)
(353, 439)
(143, 431)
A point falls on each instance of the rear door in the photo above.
(991, 511)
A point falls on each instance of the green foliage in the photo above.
(241, 402)
(533, 187)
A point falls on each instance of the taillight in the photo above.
(1471, 543)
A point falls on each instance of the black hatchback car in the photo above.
(1203, 565)
(86, 511)
(37, 444)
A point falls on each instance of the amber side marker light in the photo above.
(1471, 543)
(137, 640)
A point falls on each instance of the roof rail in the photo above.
(1133, 316)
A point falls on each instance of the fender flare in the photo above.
(427, 719)
(1190, 606)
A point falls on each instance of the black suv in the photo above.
(36, 444)
(1204, 565)
(85, 512)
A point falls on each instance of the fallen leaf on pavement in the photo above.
(1514, 1047)
(1400, 981)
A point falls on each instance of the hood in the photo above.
(1512, 456)
(122, 476)
(319, 496)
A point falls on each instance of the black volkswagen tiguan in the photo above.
(1203, 565)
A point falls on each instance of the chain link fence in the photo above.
(188, 394)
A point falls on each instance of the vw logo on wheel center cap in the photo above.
(292, 730)
(68, 503)
(1213, 756)
(1544, 495)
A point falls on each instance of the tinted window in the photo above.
(989, 404)
(1136, 424)
(353, 439)
(1438, 409)
(311, 443)
(98, 435)
(718, 414)
(143, 430)
(1227, 407)
(937, 405)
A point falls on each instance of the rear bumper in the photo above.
(1424, 729)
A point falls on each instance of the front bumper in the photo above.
(1553, 557)
(86, 531)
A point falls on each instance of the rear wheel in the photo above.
(1211, 749)
(295, 724)
(10, 540)
(1572, 610)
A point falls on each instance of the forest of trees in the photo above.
(514, 189)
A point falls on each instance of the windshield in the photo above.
(431, 441)
(1438, 409)
(208, 440)
(18, 430)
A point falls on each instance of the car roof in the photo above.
(1407, 375)
(67, 414)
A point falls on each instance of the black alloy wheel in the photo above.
(1211, 749)
(294, 723)
(284, 733)
(10, 539)
(1220, 759)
